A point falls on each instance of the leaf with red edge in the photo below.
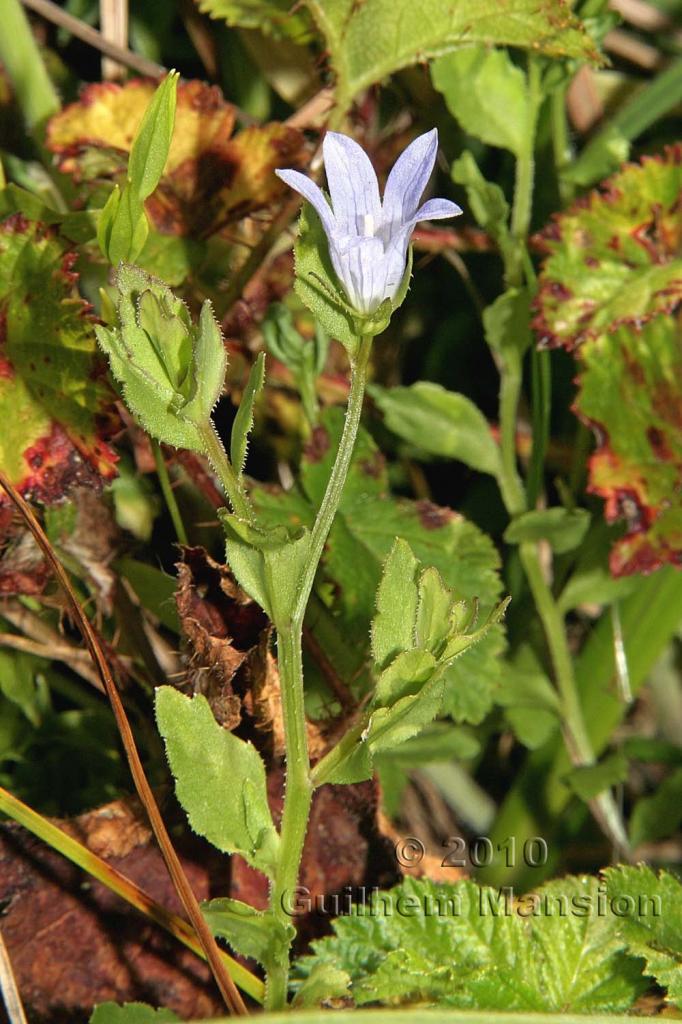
(610, 290)
(631, 393)
(210, 178)
(614, 258)
(55, 405)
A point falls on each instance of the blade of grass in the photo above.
(233, 999)
(84, 858)
(21, 57)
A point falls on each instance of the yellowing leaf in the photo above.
(55, 407)
(614, 258)
(611, 290)
(210, 178)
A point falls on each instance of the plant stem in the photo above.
(231, 483)
(167, 490)
(299, 785)
(19, 53)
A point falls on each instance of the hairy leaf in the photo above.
(654, 931)
(55, 406)
(250, 932)
(468, 946)
(219, 779)
(243, 421)
(367, 42)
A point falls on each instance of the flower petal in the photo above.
(315, 196)
(436, 209)
(408, 179)
(395, 260)
(353, 185)
(360, 265)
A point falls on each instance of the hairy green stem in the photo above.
(20, 55)
(231, 483)
(167, 491)
(299, 785)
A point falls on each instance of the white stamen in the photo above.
(368, 225)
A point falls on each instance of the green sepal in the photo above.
(319, 289)
(243, 421)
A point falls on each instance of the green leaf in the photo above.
(322, 984)
(150, 148)
(18, 683)
(404, 676)
(55, 407)
(439, 422)
(131, 1013)
(368, 42)
(564, 528)
(486, 93)
(360, 540)
(250, 932)
(394, 622)
(658, 816)
(243, 421)
(171, 370)
(486, 201)
(434, 612)
(588, 781)
(530, 701)
(123, 228)
(506, 323)
(219, 780)
(273, 17)
(555, 950)
(654, 930)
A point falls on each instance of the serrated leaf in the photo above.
(209, 179)
(250, 932)
(439, 422)
(243, 421)
(613, 259)
(564, 528)
(273, 17)
(588, 781)
(131, 1013)
(486, 93)
(369, 41)
(322, 984)
(467, 946)
(396, 602)
(405, 676)
(219, 780)
(654, 930)
(55, 407)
